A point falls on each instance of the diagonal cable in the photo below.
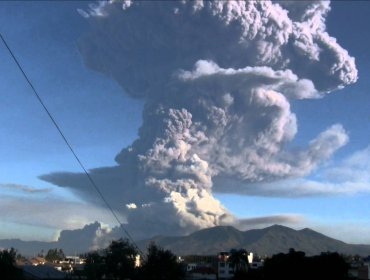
(92, 182)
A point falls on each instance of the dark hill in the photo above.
(267, 241)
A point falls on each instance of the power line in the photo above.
(92, 182)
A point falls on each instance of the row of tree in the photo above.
(117, 261)
(293, 265)
(55, 255)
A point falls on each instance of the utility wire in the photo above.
(92, 182)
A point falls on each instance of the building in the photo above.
(200, 266)
(202, 273)
(364, 271)
(37, 261)
(225, 271)
(256, 264)
(73, 260)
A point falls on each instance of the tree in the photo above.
(160, 264)
(7, 265)
(95, 267)
(239, 261)
(55, 255)
(120, 259)
(41, 253)
(286, 266)
(295, 265)
(330, 265)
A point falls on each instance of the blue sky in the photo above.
(100, 120)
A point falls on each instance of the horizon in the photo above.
(197, 116)
(305, 240)
(188, 234)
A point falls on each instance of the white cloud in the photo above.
(50, 212)
(131, 206)
(354, 168)
(98, 9)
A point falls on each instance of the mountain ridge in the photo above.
(266, 241)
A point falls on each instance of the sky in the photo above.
(187, 116)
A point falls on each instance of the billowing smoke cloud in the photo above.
(217, 78)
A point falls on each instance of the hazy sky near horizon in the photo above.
(249, 129)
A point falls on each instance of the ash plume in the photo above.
(217, 78)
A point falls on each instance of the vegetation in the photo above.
(55, 255)
(117, 261)
(295, 265)
(120, 260)
(95, 266)
(8, 270)
(239, 261)
(160, 264)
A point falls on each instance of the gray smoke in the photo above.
(217, 78)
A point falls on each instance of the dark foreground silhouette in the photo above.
(119, 261)
(295, 265)
(8, 270)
